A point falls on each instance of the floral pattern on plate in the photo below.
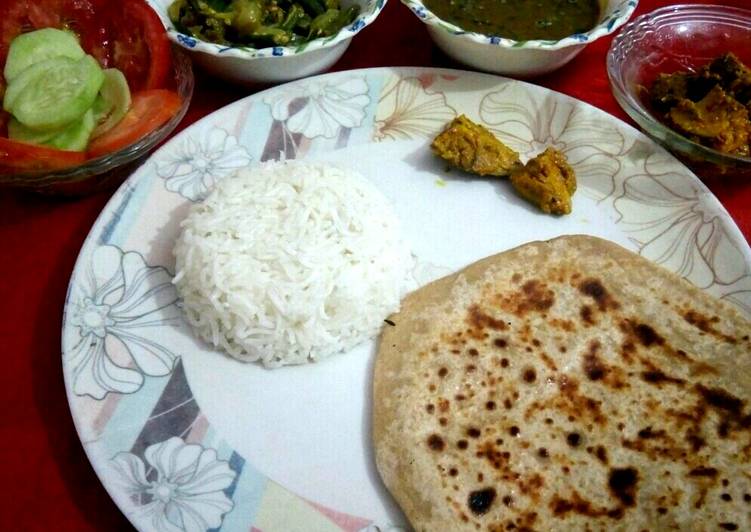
(319, 108)
(193, 168)
(181, 490)
(680, 231)
(529, 125)
(118, 317)
(408, 109)
(132, 369)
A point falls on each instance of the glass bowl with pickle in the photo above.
(519, 38)
(265, 41)
(683, 74)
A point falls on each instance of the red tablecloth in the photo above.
(48, 484)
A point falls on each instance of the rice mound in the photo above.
(291, 262)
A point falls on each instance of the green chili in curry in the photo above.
(520, 20)
(260, 23)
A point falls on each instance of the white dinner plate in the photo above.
(184, 438)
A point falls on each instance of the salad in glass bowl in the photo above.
(88, 87)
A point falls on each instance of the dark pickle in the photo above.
(709, 106)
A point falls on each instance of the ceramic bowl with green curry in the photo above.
(519, 38)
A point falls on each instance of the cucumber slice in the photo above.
(54, 93)
(75, 137)
(112, 103)
(33, 47)
(17, 131)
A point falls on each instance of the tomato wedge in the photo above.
(140, 47)
(148, 110)
(28, 157)
(125, 35)
(20, 16)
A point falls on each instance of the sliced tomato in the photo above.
(27, 157)
(19, 16)
(140, 48)
(125, 35)
(148, 110)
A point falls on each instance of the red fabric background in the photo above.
(47, 481)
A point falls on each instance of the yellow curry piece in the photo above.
(710, 106)
(474, 149)
(547, 181)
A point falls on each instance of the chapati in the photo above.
(565, 385)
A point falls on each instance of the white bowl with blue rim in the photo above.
(277, 64)
(518, 58)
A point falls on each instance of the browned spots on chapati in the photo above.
(549, 362)
(727, 406)
(436, 443)
(657, 377)
(577, 405)
(480, 501)
(646, 335)
(721, 399)
(649, 433)
(532, 409)
(657, 445)
(707, 325)
(573, 439)
(500, 343)
(529, 375)
(602, 454)
(594, 289)
(531, 484)
(703, 471)
(592, 365)
(480, 320)
(575, 503)
(587, 315)
(443, 405)
(622, 482)
(497, 459)
(533, 296)
(563, 324)
(628, 349)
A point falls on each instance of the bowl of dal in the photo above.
(517, 37)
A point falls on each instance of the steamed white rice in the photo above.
(291, 262)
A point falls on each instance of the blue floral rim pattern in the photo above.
(615, 17)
